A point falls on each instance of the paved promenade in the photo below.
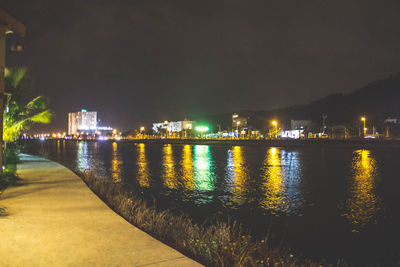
(55, 220)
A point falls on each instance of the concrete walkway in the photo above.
(55, 220)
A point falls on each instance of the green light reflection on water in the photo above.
(204, 178)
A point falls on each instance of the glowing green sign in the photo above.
(202, 128)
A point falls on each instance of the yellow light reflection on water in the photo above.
(203, 168)
(363, 204)
(143, 169)
(187, 168)
(116, 164)
(169, 173)
(238, 173)
(274, 182)
(58, 147)
(63, 148)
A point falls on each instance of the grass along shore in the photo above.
(220, 244)
(9, 176)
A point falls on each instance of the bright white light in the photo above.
(295, 134)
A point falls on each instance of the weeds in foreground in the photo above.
(3, 212)
(8, 177)
(220, 244)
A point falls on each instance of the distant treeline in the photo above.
(378, 101)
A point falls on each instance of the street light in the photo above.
(142, 130)
(187, 128)
(275, 123)
(237, 128)
(363, 119)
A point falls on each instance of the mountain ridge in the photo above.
(377, 100)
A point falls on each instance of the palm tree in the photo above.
(19, 117)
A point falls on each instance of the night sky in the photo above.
(137, 62)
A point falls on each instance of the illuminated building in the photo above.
(295, 134)
(82, 121)
(390, 120)
(239, 121)
(173, 126)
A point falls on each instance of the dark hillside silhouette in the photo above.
(378, 100)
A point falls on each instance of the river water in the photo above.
(320, 202)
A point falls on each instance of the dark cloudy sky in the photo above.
(141, 61)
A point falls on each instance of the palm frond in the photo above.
(15, 77)
(42, 117)
(18, 81)
(38, 103)
(19, 117)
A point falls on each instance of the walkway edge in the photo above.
(55, 219)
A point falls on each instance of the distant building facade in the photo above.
(173, 126)
(82, 121)
(391, 121)
(300, 124)
(238, 121)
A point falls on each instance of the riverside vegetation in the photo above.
(220, 244)
(19, 116)
(9, 177)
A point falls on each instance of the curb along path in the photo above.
(55, 220)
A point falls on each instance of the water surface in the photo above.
(321, 202)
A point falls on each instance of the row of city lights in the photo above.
(201, 129)
(273, 122)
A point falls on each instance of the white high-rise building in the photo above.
(173, 126)
(82, 121)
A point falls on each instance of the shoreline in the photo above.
(339, 143)
(219, 244)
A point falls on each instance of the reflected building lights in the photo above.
(169, 173)
(363, 204)
(82, 156)
(187, 168)
(237, 173)
(291, 167)
(274, 182)
(58, 147)
(143, 169)
(116, 164)
(203, 168)
(64, 151)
